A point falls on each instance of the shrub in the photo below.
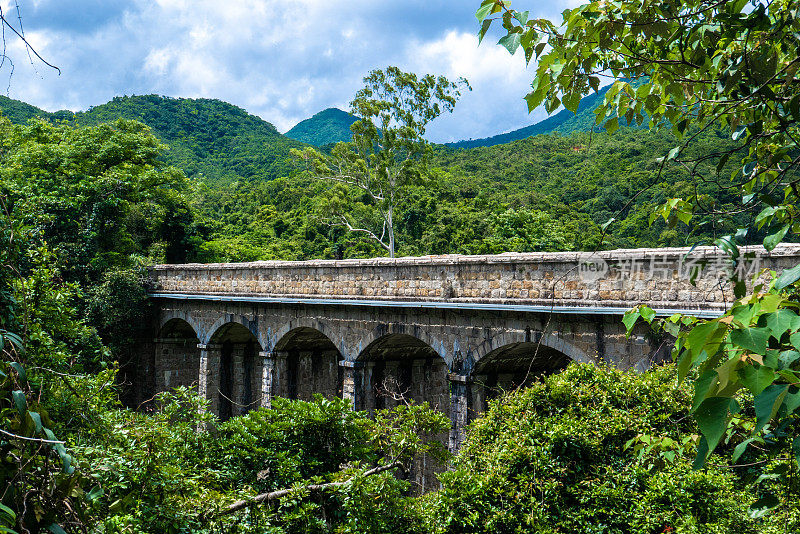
(561, 456)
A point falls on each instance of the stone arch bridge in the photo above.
(451, 330)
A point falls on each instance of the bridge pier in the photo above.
(267, 378)
(460, 407)
(352, 382)
(209, 376)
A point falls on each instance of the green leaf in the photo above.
(20, 401)
(484, 10)
(706, 337)
(740, 131)
(756, 379)
(740, 448)
(611, 125)
(606, 224)
(702, 453)
(56, 529)
(702, 386)
(20, 370)
(37, 420)
(521, 16)
(772, 240)
(14, 339)
(684, 364)
(8, 515)
(722, 161)
(648, 314)
(673, 153)
(794, 339)
(753, 339)
(712, 418)
(763, 506)
(781, 321)
(630, 318)
(95, 493)
(788, 277)
(767, 404)
(533, 99)
(484, 28)
(792, 402)
(787, 358)
(510, 41)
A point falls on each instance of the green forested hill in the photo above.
(548, 192)
(208, 138)
(543, 192)
(329, 126)
(564, 122)
(19, 112)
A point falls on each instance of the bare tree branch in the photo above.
(278, 494)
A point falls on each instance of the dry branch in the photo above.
(278, 494)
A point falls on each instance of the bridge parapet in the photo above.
(667, 279)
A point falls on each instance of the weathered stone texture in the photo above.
(656, 277)
(242, 353)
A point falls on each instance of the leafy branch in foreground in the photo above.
(746, 365)
(698, 65)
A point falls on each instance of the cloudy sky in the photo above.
(283, 61)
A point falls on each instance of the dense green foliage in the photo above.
(593, 450)
(177, 469)
(329, 126)
(209, 140)
(464, 203)
(564, 122)
(387, 154)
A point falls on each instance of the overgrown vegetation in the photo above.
(87, 200)
(594, 450)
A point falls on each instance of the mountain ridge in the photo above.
(326, 127)
(208, 138)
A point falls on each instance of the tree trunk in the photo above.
(390, 224)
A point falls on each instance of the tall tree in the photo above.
(702, 64)
(387, 151)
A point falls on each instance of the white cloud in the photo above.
(499, 82)
(283, 61)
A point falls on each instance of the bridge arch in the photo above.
(275, 337)
(516, 359)
(177, 356)
(382, 330)
(234, 366)
(307, 362)
(250, 324)
(170, 316)
(552, 341)
(399, 366)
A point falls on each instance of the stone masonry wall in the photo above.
(660, 278)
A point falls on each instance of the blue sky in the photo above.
(283, 61)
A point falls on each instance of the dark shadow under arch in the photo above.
(307, 364)
(512, 366)
(235, 377)
(177, 357)
(400, 367)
